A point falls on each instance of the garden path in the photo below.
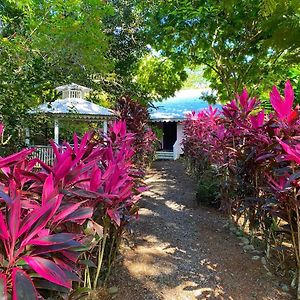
(182, 251)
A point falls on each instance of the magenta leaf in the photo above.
(293, 153)
(49, 191)
(4, 233)
(65, 211)
(58, 238)
(258, 120)
(38, 206)
(84, 193)
(14, 219)
(56, 247)
(71, 255)
(62, 167)
(55, 149)
(44, 232)
(75, 175)
(63, 264)
(288, 96)
(48, 270)
(82, 213)
(244, 99)
(23, 287)
(95, 179)
(114, 215)
(36, 220)
(8, 160)
(82, 148)
(277, 102)
(292, 117)
(283, 107)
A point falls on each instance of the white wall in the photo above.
(177, 149)
(179, 132)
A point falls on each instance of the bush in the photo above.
(207, 192)
(59, 225)
(137, 119)
(258, 158)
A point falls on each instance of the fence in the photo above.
(44, 153)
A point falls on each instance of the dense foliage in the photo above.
(62, 224)
(136, 116)
(44, 44)
(141, 49)
(255, 157)
(241, 43)
(99, 44)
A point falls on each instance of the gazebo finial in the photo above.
(73, 90)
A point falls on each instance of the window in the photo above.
(72, 94)
(75, 94)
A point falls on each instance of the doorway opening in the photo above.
(170, 135)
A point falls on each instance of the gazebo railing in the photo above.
(44, 153)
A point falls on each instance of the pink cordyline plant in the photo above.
(284, 106)
(259, 156)
(44, 212)
(29, 242)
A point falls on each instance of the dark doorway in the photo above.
(170, 135)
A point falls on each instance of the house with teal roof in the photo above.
(169, 115)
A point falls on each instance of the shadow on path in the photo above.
(182, 251)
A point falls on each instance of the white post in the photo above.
(56, 131)
(27, 136)
(105, 126)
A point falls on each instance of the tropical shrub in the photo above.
(33, 241)
(207, 192)
(137, 119)
(257, 156)
(60, 224)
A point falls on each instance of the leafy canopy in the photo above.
(241, 43)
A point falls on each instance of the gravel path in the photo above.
(182, 251)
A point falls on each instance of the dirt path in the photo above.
(184, 252)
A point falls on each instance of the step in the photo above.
(167, 155)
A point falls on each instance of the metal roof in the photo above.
(175, 108)
(73, 107)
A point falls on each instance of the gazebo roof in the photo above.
(175, 108)
(75, 108)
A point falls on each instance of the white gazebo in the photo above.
(72, 106)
